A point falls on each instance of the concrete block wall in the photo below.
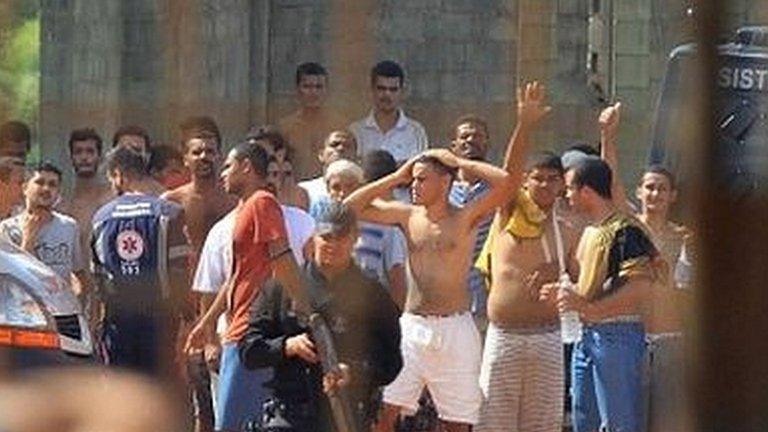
(81, 71)
(107, 62)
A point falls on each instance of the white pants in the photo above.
(443, 354)
(522, 381)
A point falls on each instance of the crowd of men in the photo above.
(434, 269)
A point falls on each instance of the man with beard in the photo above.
(204, 202)
(441, 344)
(260, 249)
(47, 234)
(90, 191)
(203, 199)
(387, 127)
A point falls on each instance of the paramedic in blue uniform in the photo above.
(139, 257)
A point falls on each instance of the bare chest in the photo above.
(524, 255)
(437, 238)
(202, 212)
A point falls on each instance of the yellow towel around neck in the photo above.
(526, 221)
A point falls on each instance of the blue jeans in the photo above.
(606, 372)
(241, 391)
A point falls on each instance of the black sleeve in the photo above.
(630, 243)
(386, 359)
(264, 340)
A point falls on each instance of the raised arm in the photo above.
(609, 122)
(531, 109)
(367, 206)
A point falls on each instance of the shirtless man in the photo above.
(441, 345)
(11, 185)
(90, 191)
(203, 198)
(522, 372)
(657, 192)
(15, 140)
(306, 128)
(204, 202)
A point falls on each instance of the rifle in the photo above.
(343, 415)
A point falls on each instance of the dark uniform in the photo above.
(364, 322)
(139, 258)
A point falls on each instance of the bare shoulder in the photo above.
(176, 195)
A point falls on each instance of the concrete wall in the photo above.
(110, 62)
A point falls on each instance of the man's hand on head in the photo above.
(445, 156)
(404, 174)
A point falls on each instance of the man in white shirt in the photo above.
(387, 127)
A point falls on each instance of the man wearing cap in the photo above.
(361, 316)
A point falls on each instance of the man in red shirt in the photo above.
(260, 250)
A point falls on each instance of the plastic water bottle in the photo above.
(683, 273)
(570, 324)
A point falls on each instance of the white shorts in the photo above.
(443, 354)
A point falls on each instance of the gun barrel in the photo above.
(340, 407)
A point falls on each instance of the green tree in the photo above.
(20, 65)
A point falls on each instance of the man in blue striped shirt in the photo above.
(470, 141)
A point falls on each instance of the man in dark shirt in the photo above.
(139, 257)
(360, 314)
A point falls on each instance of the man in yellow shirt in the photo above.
(617, 262)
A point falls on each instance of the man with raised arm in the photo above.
(522, 372)
(665, 394)
(440, 345)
